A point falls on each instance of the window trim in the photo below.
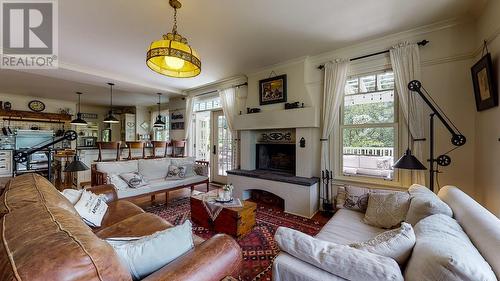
(399, 177)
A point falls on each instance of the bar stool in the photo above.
(178, 144)
(159, 144)
(109, 145)
(136, 145)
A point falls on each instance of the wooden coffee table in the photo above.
(233, 221)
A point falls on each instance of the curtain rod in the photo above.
(215, 91)
(421, 43)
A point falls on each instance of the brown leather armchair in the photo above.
(45, 239)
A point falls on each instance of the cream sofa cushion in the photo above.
(397, 243)
(118, 167)
(155, 168)
(340, 260)
(424, 203)
(444, 252)
(387, 210)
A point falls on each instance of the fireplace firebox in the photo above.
(276, 157)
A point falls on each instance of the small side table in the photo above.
(233, 221)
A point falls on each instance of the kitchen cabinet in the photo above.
(6, 163)
(128, 130)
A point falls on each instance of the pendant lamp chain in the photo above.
(174, 28)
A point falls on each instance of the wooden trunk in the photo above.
(233, 221)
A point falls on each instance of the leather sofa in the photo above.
(347, 226)
(44, 238)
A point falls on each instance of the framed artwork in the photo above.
(484, 86)
(177, 126)
(272, 90)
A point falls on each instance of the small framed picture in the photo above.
(272, 90)
(484, 85)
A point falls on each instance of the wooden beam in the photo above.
(22, 114)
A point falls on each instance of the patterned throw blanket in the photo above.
(213, 207)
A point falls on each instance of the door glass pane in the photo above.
(224, 147)
(202, 136)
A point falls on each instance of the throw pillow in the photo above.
(341, 196)
(176, 172)
(356, 198)
(340, 260)
(117, 181)
(397, 243)
(424, 203)
(91, 208)
(72, 195)
(134, 180)
(386, 210)
(188, 163)
(145, 255)
(443, 251)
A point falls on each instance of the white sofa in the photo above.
(347, 226)
(153, 170)
(374, 166)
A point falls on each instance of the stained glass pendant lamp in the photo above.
(79, 120)
(159, 123)
(172, 56)
(110, 118)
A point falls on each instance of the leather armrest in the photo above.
(214, 259)
(106, 189)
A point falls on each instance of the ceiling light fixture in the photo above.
(172, 56)
(110, 118)
(159, 123)
(79, 120)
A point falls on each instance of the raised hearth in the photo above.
(275, 176)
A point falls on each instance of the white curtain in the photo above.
(229, 103)
(334, 85)
(188, 124)
(405, 60)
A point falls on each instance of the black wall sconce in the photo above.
(302, 142)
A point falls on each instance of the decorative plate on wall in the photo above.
(36, 105)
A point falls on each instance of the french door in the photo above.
(222, 148)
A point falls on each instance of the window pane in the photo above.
(369, 108)
(367, 84)
(385, 81)
(368, 152)
(351, 86)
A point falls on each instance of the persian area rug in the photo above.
(258, 247)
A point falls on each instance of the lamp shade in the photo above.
(173, 57)
(79, 120)
(76, 166)
(159, 123)
(110, 118)
(409, 162)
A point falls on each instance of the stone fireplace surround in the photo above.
(299, 189)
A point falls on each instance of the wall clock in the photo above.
(36, 105)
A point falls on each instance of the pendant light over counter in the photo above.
(159, 123)
(110, 118)
(172, 56)
(79, 120)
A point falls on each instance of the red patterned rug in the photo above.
(258, 247)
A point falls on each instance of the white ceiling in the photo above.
(102, 41)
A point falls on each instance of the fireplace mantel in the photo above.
(306, 117)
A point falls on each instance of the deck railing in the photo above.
(369, 151)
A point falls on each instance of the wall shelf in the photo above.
(20, 115)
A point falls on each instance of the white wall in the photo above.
(487, 149)
(446, 75)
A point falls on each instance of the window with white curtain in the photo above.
(369, 127)
(208, 103)
(161, 134)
